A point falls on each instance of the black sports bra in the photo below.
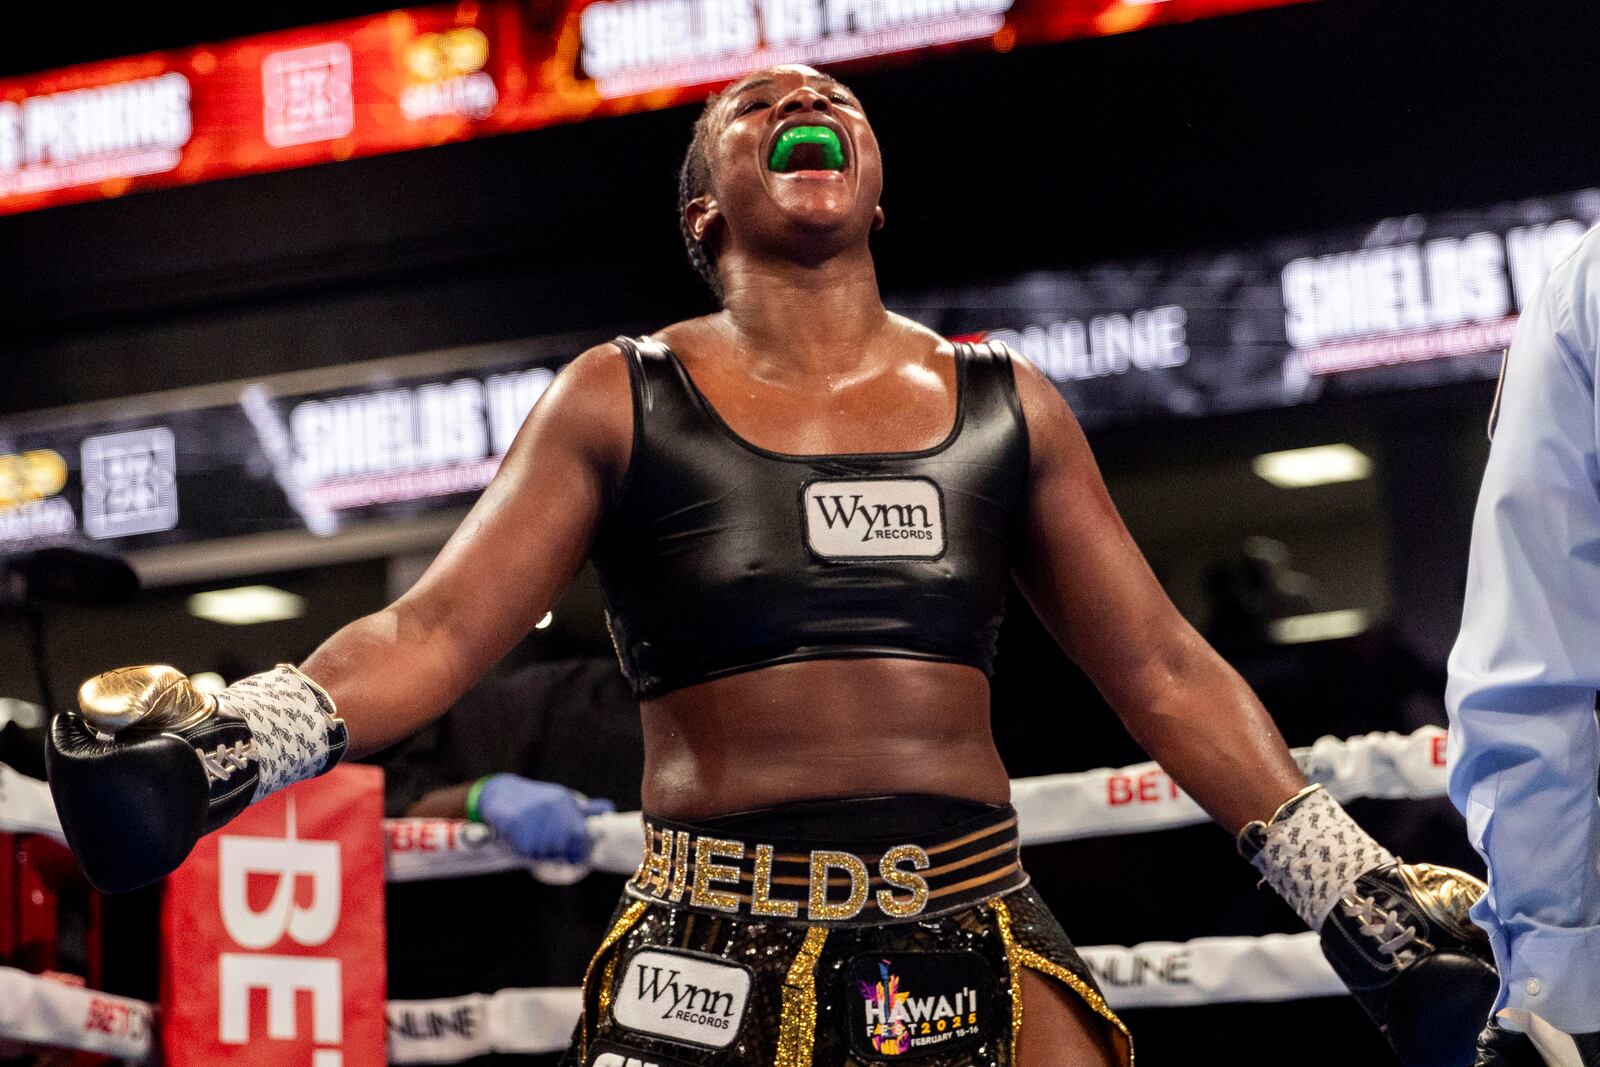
(718, 556)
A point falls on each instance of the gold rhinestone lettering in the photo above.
(888, 867)
(761, 902)
(680, 860)
(705, 872)
(657, 864)
(817, 905)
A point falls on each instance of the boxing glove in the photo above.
(1397, 934)
(148, 763)
(1402, 942)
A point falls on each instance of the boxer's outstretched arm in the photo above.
(148, 764)
(393, 671)
(1426, 983)
(1092, 588)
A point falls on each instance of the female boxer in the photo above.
(805, 511)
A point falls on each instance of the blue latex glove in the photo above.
(539, 820)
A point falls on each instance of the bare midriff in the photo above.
(818, 729)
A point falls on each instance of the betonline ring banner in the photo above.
(426, 75)
(1412, 301)
(273, 933)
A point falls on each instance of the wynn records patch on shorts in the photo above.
(874, 518)
(682, 996)
(605, 1054)
(906, 1004)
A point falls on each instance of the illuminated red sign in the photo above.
(423, 76)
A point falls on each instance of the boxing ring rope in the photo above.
(46, 1012)
(1206, 970)
(1051, 808)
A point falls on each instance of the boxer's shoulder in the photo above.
(586, 413)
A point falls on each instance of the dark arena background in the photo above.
(1271, 257)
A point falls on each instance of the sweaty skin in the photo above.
(804, 358)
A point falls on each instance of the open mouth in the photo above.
(806, 148)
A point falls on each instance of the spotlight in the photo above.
(1323, 626)
(1300, 468)
(246, 604)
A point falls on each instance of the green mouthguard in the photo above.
(795, 136)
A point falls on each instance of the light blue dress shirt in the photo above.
(1524, 750)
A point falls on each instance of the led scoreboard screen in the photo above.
(427, 75)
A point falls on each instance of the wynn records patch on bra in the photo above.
(863, 519)
(682, 996)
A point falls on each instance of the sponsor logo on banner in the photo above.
(448, 76)
(437, 835)
(682, 996)
(1103, 346)
(274, 933)
(874, 518)
(410, 443)
(130, 483)
(306, 95)
(608, 1055)
(1412, 301)
(36, 523)
(118, 1018)
(446, 1032)
(31, 476)
(31, 511)
(915, 1002)
(635, 46)
(428, 1024)
(1151, 786)
(85, 136)
(1128, 968)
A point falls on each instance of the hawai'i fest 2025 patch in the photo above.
(910, 1003)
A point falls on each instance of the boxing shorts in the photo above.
(821, 934)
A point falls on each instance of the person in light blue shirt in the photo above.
(1524, 751)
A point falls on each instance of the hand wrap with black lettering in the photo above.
(292, 723)
(1311, 852)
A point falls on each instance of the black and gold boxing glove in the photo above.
(148, 763)
(1397, 934)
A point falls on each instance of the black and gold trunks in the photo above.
(831, 934)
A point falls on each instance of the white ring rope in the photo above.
(26, 806)
(1207, 970)
(1058, 807)
(46, 1012)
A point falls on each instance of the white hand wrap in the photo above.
(1314, 853)
(291, 719)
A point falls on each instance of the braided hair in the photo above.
(694, 181)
